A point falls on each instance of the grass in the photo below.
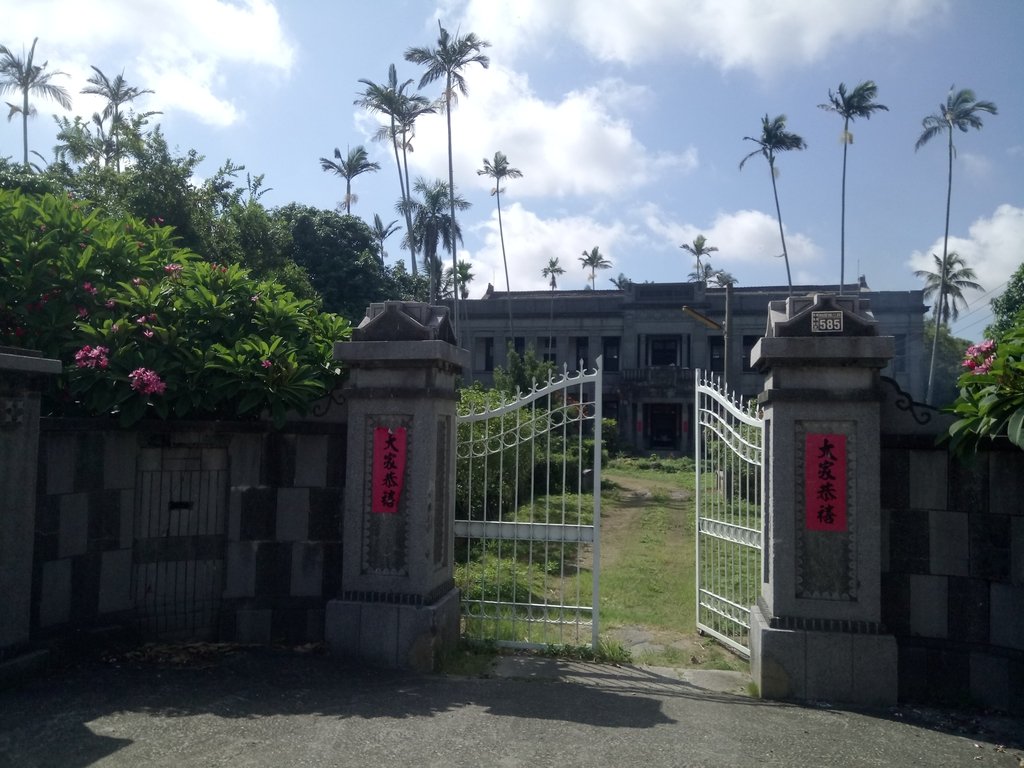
(647, 573)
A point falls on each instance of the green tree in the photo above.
(117, 93)
(621, 282)
(775, 138)
(1007, 306)
(353, 164)
(499, 169)
(448, 60)
(947, 284)
(594, 260)
(860, 102)
(948, 364)
(382, 232)
(399, 107)
(699, 248)
(962, 110)
(552, 271)
(431, 223)
(19, 74)
(465, 277)
(704, 274)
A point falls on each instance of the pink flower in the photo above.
(83, 312)
(146, 381)
(110, 304)
(88, 288)
(254, 298)
(136, 281)
(266, 364)
(92, 357)
(140, 319)
(979, 357)
(173, 269)
(147, 333)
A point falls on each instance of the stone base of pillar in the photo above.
(813, 665)
(396, 636)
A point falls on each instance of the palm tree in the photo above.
(698, 249)
(500, 169)
(703, 274)
(382, 232)
(432, 221)
(621, 282)
(117, 92)
(961, 110)
(20, 75)
(723, 278)
(594, 260)
(348, 167)
(447, 60)
(947, 284)
(775, 138)
(392, 101)
(857, 103)
(552, 271)
(464, 278)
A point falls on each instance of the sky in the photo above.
(627, 119)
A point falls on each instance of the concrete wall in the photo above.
(278, 539)
(952, 562)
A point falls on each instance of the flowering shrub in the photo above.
(991, 401)
(146, 328)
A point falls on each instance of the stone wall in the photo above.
(265, 549)
(953, 562)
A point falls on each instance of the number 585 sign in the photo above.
(830, 321)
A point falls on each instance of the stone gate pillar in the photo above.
(399, 605)
(21, 372)
(816, 632)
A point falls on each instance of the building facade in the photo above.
(652, 337)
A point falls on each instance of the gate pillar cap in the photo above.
(794, 316)
(404, 321)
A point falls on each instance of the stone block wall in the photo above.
(953, 571)
(275, 547)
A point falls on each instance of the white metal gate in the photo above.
(528, 512)
(730, 491)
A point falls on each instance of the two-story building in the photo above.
(652, 336)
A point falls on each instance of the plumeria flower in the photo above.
(110, 304)
(146, 381)
(267, 364)
(173, 269)
(147, 333)
(92, 357)
(83, 312)
(88, 288)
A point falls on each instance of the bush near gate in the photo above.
(145, 328)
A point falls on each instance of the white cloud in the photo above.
(191, 52)
(530, 241)
(740, 34)
(574, 147)
(993, 250)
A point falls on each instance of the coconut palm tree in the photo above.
(723, 278)
(117, 92)
(498, 170)
(382, 232)
(947, 285)
(704, 274)
(451, 56)
(594, 260)
(552, 271)
(860, 102)
(432, 222)
(464, 278)
(961, 110)
(348, 167)
(621, 282)
(392, 101)
(775, 138)
(21, 75)
(698, 249)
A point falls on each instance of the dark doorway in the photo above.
(664, 421)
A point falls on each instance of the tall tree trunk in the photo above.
(501, 234)
(778, 214)
(24, 126)
(942, 275)
(451, 202)
(842, 217)
(408, 188)
(403, 183)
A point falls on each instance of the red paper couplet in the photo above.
(825, 482)
(388, 469)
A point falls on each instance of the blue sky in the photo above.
(626, 118)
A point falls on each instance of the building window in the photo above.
(517, 344)
(547, 345)
(716, 354)
(488, 342)
(581, 347)
(610, 351)
(610, 409)
(663, 350)
(748, 346)
(899, 358)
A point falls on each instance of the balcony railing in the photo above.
(667, 376)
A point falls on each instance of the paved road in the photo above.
(281, 709)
